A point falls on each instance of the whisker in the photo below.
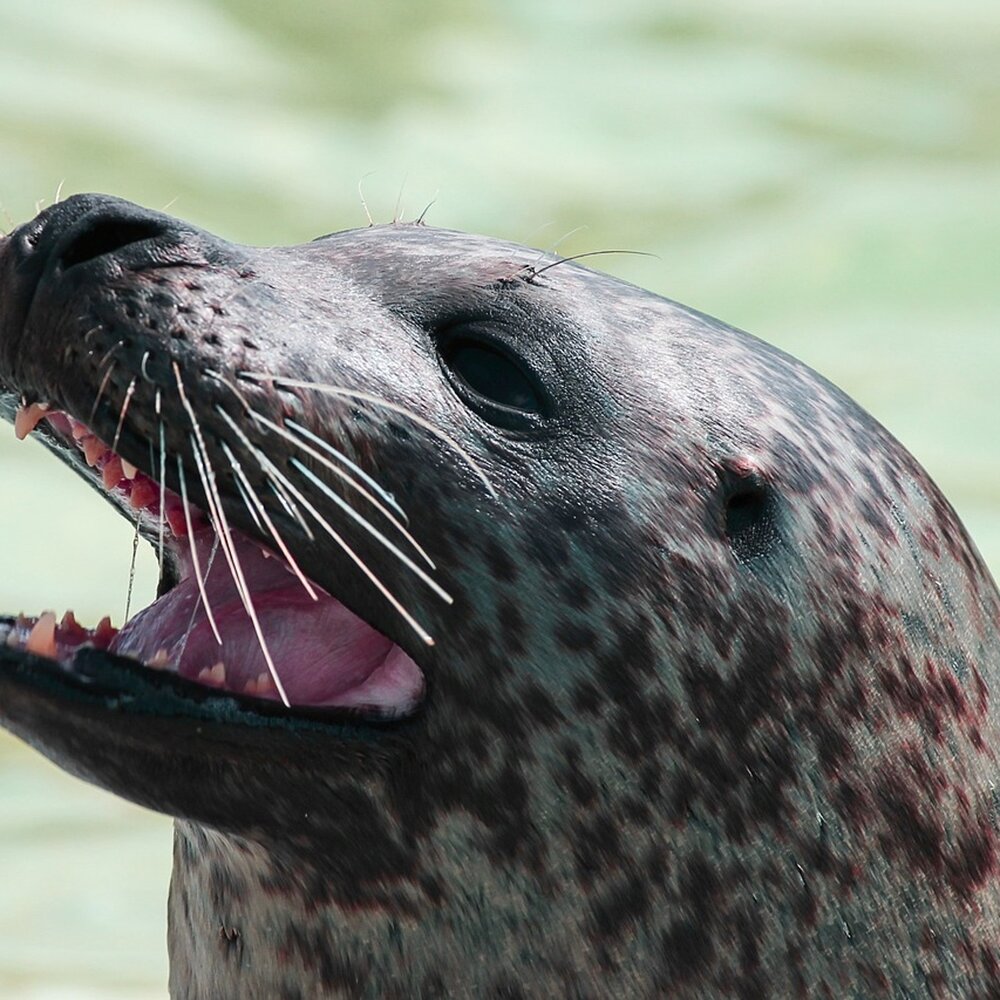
(579, 256)
(163, 477)
(194, 610)
(241, 489)
(354, 467)
(232, 558)
(129, 393)
(361, 195)
(249, 495)
(367, 397)
(195, 561)
(229, 550)
(562, 239)
(276, 474)
(287, 502)
(419, 221)
(107, 354)
(100, 391)
(291, 508)
(399, 200)
(372, 530)
(278, 429)
(336, 470)
(131, 569)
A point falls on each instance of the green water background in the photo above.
(825, 175)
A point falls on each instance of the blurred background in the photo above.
(824, 175)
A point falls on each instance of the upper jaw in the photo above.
(41, 400)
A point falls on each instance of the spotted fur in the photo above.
(712, 715)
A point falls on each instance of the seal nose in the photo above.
(85, 228)
(101, 236)
(62, 250)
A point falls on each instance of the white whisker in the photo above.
(278, 429)
(195, 561)
(129, 393)
(194, 610)
(229, 550)
(269, 467)
(372, 530)
(249, 495)
(367, 397)
(163, 478)
(352, 466)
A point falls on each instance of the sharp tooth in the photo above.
(129, 470)
(27, 419)
(69, 621)
(42, 640)
(214, 675)
(160, 660)
(80, 431)
(175, 518)
(93, 449)
(111, 474)
(144, 493)
(104, 633)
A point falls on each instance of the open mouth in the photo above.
(232, 615)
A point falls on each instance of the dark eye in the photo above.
(494, 379)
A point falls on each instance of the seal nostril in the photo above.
(106, 236)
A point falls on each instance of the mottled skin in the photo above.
(714, 712)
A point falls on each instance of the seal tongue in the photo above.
(325, 654)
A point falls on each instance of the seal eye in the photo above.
(492, 380)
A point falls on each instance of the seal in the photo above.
(520, 633)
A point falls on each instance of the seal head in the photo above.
(623, 656)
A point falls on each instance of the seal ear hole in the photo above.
(750, 519)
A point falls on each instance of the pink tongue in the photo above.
(324, 654)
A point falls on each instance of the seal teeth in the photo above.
(160, 660)
(129, 471)
(42, 639)
(104, 633)
(214, 676)
(111, 474)
(28, 418)
(143, 494)
(93, 449)
(262, 684)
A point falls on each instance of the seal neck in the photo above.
(248, 921)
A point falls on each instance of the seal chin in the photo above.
(231, 615)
